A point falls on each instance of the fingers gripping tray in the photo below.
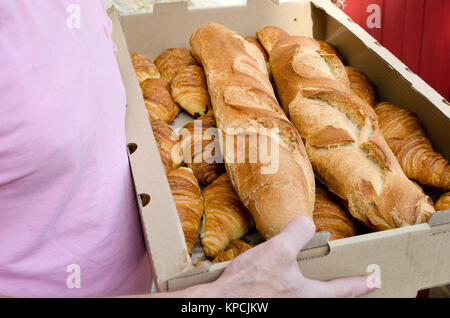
(400, 261)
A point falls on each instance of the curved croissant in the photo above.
(236, 248)
(171, 60)
(361, 86)
(158, 100)
(199, 149)
(189, 203)
(443, 203)
(414, 151)
(330, 216)
(144, 67)
(168, 145)
(226, 218)
(189, 90)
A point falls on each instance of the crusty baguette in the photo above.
(299, 64)
(351, 157)
(243, 98)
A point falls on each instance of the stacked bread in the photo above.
(326, 128)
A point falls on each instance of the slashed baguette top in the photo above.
(351, 157)
(243, 98)
(299, 64)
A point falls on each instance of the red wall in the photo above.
(416, 31)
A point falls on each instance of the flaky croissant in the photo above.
(329, 216)
(189, 203)
(443, 203)
(158, 100)
(144, 67)
(189, 90)
(236, 248)
(199, 149)
(168, 145)
(226, 218)
(171, 60)
(414, 151)
(361, 86)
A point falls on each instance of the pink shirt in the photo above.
(68, 220)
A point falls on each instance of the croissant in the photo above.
(189, 203)
(236, 248)
(414, 151)
(226, 218)
(168, 145)
(190, 91)
(330, 216)
(144, 67)
(158, 100)
(199, 149)
(361, 86)
(443, 203)
(396, 122)
(171, 60)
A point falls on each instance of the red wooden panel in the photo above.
(412, 35)
(393, 25)
(443, 81)
(416, 31)
(431, 43)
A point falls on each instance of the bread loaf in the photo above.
(443, 203)
(279, 189)
(226, 219)
(414, 151)
(189, 203)
(342, 138)
(361, 86)
(168, 145)
(144, 67)
(330, 216)
(199, 146)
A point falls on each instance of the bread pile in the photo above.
(341, 158)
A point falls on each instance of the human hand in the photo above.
(271, 270)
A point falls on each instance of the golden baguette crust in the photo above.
(242, 98)
(298, 64)
(226, 218)
(269, 35)
(189, 203)
(414, 151)
(255, 42)
(171, 60)
(189, 90)
(443, 203)
(328, 48)
(158, 100)
(168, 145)
(144, 67)
(236, 248)
(361, 86)
(351, 157)
(330, 216)
(199, 146)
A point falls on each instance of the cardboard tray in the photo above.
(410, 258)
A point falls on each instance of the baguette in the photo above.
(243, 98)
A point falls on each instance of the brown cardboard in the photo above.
(411, 258)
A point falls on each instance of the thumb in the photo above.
(298, 233)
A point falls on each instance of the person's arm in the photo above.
(271, 270)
